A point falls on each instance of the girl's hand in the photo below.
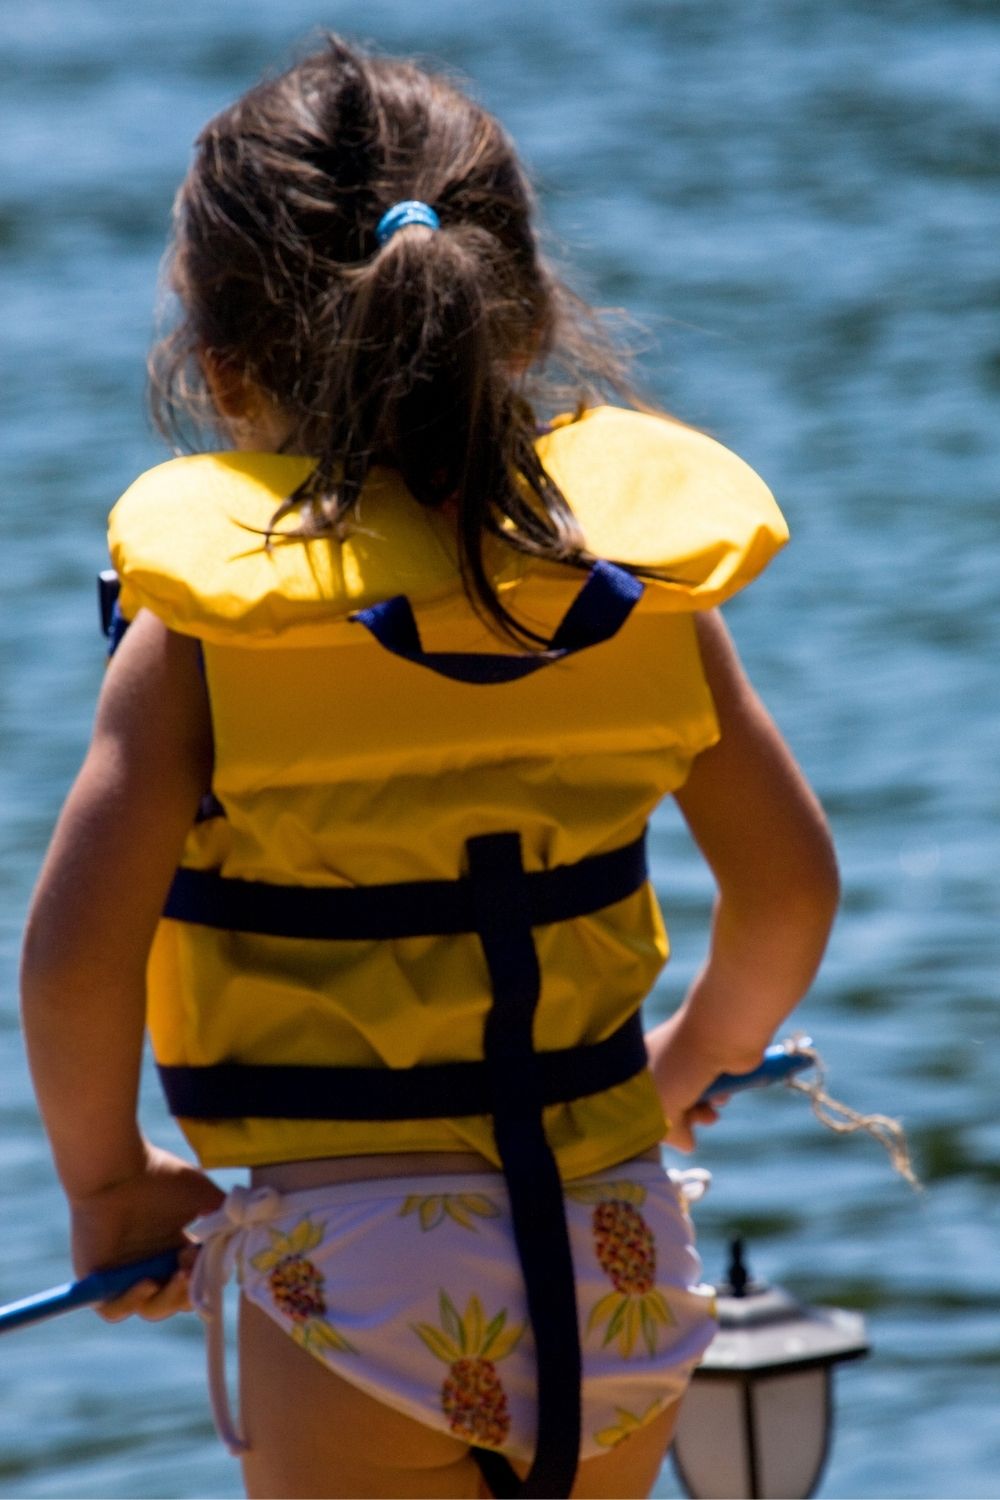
(682, 1070)
(140, 1216)
(681, 1121)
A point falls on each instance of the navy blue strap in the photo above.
(108, 589)
(503, 921)
(113, 622)
(597, 613)
(410, 908)
(275, 1091)
(499, 1473)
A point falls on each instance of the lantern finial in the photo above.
(737, 1275)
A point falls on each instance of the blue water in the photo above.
(801, 203)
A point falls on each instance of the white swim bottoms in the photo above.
(410, 1288)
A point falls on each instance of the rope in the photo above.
(844, 1120)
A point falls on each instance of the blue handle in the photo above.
(779, 1063)
(99, 1286)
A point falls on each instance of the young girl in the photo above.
(361, 827)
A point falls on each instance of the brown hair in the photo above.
(430, 353)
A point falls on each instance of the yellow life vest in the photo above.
(340, 765)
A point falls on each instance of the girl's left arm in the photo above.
(98, 900)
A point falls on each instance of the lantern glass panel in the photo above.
(716, 1456)
(791, 1420)
(710, 1449)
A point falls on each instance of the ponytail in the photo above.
(414, 353)
(418, 380)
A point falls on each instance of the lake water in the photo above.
(801, 202)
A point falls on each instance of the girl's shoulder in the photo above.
(650, 491)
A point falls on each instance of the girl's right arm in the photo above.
(766, 840)
(95, 909)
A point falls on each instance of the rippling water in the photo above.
(802, 203)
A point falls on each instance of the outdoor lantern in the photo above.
(757, 1418)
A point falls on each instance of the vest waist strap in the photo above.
(427, 1092)
(409, 908)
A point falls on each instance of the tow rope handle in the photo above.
(99, 1286)
(779, 1062)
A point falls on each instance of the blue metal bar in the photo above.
(99, 1286)
(780, 1062)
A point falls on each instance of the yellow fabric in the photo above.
(340, 764)
(187, 541)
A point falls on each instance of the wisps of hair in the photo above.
(433, 353)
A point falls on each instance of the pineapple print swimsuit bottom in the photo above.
(411, 1288)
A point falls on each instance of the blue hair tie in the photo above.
(410, 211)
